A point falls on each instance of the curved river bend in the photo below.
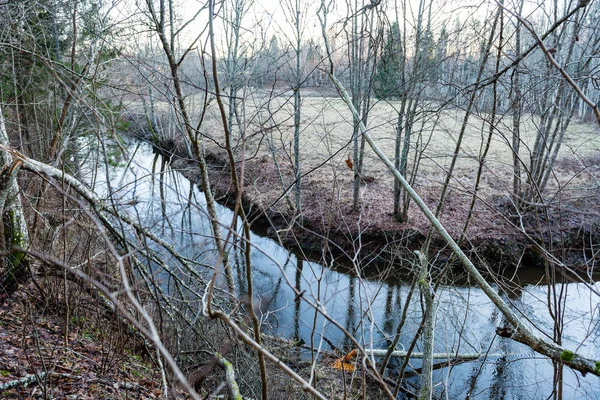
(163, 199)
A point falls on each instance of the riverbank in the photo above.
(496, 234)
(44, 356)
(61, 338)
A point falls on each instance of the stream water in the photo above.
(466, 321)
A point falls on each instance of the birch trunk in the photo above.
(520, 330)
(15, 266)
(426, 390)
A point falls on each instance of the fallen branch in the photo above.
(36, 378)
(232, 385)
(100, 208)
(306, 386)
(24, 381)
(95, 202)
(437, 356)
(556, 353)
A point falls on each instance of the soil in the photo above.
(496, 235)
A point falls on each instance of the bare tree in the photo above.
(160, 24)
(426, 105)
(297, 15)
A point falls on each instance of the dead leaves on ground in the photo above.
(33, 351)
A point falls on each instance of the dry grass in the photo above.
(326, 131)
(325, 143)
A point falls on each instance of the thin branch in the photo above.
(527, 336)
(548, 54)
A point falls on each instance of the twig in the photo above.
(555, 64)
(525, 334)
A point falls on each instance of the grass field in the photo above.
(266, 123)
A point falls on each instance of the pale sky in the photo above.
(266, 18)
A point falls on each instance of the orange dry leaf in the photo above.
(342, 365)
(351, 355)
(349, 162)
(344, 362)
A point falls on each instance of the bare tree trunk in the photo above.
(192, 133)
(15, 267)
(553, 126)
(297, 170)
(297, 107)
(363, 49)
(470, 105)
(234, 18)
(516, 109)
(238, 183)
(398, 150)
(526, 335)
(485, 147)
(426, 389)
(410, 99)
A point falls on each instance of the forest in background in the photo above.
(421, 137)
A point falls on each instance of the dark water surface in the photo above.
(370, 308)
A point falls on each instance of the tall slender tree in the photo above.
(15, 235)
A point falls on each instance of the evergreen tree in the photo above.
(387, 82)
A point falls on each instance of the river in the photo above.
(148, 189)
